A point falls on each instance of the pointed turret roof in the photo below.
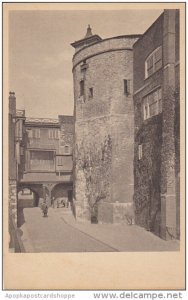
(88, 33)
(88, 39)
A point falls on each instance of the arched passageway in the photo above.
(27, 197)
(61, 195)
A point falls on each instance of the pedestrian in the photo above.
(62, 202)
(53, 202)
(44, 208)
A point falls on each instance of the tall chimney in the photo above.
(12, 103)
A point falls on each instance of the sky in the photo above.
(40, 54)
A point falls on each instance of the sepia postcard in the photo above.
(94, 146)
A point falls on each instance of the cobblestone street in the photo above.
(59, 232)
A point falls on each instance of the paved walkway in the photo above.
(61, 233)
(52, 234)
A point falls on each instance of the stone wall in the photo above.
(12, 144)
(122, 183)
(147, 174)
(156, 195)
(106, 45)
(93, 154)
(116, 213)
(103, 158)
(177, 121)
(66, 131)
(13, 199)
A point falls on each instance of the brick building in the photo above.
(104, 127)
(48, 157)
(157, 132)
(15, 153)
(40, 156)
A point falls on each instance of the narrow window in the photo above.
(53, 133)
(150, 69)
(90, 92)
(81, 87)
(30, 133)
(36, 134)
(146, 110)
(158, 59)
(59, 160)
(139, 152)
(49, 134)
(66, 149)
(127, 86)
(159, 101)
(21, 150)
(56, 134)
(19, 129)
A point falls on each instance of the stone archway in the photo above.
(63, 192)
(36, 189)
(27, 197)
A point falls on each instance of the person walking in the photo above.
(44, 208)
(53, 202)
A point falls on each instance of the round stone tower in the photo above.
(104, 135)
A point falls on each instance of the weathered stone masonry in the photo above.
(156, 174)
(103, 128)
(12, 159)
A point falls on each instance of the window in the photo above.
(21, 150)
(154, 62)
(139, 152)
(127, 86)
(36, 133)
(90, 93)
(19, 129)
(53, 134)
(152, 104)
(66, 149)
(30, 133)
(42, 160)
(81, 87)
(59, 160)
(84, 66)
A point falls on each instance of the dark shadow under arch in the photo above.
(35, 196)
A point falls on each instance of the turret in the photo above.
(88, 39)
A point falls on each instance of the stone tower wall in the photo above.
(103, 128)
